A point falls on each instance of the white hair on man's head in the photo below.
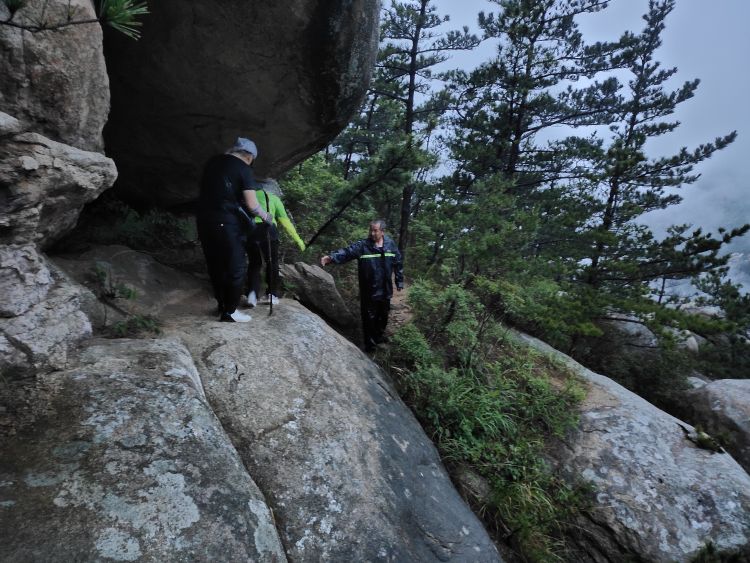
(380, 223)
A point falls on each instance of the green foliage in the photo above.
(109, 220)
(135, 326)
(106, 287)
(490, 405)
(122, 15)
(308, 190)
(410, 349)
(726, 353)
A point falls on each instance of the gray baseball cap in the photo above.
(242, 144)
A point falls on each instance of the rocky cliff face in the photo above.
(54, 99)
(55, 83)
(287, 74)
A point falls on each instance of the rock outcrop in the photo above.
(657, 497)
(345, 467)
(359, 480)
(316, 290)
(44, 186)
(287, 74)
(41, 318)
(136, 283)
(722, 408)
(122, 459)
(54, 96)
(55, 82)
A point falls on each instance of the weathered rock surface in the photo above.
(316, 290)
(288, 74)
(55, 82)
(657, 496)
(122, 459)
(359, 480)
(25, 279)
(348, 471)
(722, 408)
(629, 331)
(159, 290)
(40, 315)
(44, 185)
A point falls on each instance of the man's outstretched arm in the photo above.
(343, 255)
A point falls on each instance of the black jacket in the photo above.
(377, 266)
(225, 178)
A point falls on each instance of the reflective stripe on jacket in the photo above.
(377, 267)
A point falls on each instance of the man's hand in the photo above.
(325, 260)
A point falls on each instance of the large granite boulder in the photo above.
(316, 290)
(287, 74)
(55, 82)
(359, 480)
(347, 470)
(122, 459)
(657, 496)
(44, 185)
(722, 408)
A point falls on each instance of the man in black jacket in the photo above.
(379, 260)
(227, 189)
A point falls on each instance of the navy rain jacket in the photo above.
(376, 267)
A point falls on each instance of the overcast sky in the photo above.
(706, 40)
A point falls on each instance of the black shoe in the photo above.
(226, 318)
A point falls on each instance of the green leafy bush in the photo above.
(490, 405)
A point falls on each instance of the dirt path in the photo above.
(400, 310)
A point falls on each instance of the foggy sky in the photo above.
(705, 40)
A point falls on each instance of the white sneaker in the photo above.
(270, 298)
(252, 300)
(239, 317)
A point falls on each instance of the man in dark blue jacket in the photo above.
(379, 260)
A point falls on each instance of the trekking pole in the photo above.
(271, 272)
(270, 265)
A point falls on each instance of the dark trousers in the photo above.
(257, 254)
(224, 249)
(374, 320)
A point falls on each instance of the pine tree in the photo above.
(625, 256)
(411, 49)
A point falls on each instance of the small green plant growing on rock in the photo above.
(106, 288)
(136, 325)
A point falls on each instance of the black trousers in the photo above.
(223, 246)
(257, 255)
(374, 320)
